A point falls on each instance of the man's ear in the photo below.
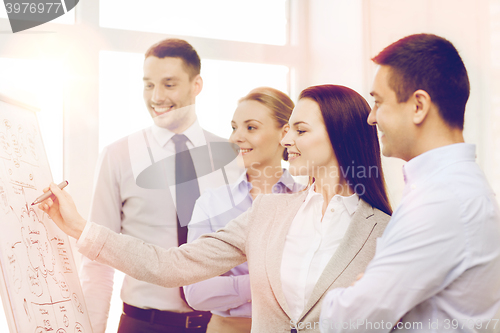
(197, 84)
(422, 106)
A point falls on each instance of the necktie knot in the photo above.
(180, 142)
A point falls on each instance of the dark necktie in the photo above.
(186, 186)
(186, 189)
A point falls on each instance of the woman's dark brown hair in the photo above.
(354, 141)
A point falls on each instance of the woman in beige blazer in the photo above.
(298, 246)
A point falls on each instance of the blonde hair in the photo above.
(279, 103)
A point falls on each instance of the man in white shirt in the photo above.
(126, 202)
(437, 265)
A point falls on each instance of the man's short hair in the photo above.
(177, 48)
(430, 63)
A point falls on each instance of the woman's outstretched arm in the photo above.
(209, 256)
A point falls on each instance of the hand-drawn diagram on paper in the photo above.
(39, 273)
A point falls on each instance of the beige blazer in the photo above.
(257, 236)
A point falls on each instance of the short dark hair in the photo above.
(177, 48)
(430, 63)
(278, 102)
(354, 141)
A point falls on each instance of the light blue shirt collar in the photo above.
(286, 183)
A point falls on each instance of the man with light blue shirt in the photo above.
(437, 265)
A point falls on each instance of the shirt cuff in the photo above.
(80, 241)
(243, 288)
(92, 240)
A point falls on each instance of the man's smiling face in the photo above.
(393, 119)
(169, 92)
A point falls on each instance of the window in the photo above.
(256, 21)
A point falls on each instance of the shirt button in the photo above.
(332, 210)
(413, 186)
(339, 199)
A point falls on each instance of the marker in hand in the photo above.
(47, 194)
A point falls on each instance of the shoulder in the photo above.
(381, 217)
(133, 147)
(455, 181)
(371, 217)
(117, 145)
(116, 151)
(373, 213)
(122, 145)
(275, 199)
(213, 195)
(378, 214)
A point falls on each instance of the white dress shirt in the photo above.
(310, 243)
(437, 265)
(149, 214)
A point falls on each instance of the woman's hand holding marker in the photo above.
(62, 211)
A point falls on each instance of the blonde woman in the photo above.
(259, 124)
